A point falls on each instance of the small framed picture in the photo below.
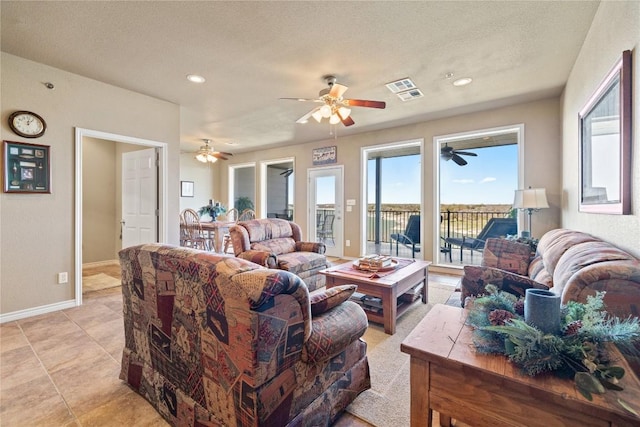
(325, 155)
(26, 168)
(186, 188)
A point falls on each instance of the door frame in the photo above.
(262, 209)
(231, 179)
(438, 140)
(80, 134)
(311, 220)
(364, 154)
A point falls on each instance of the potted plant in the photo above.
(243, 203)
(213, 210)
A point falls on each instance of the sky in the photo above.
(489, 178)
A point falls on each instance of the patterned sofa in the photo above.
(219, 341)
(570, 263)
(277, 243)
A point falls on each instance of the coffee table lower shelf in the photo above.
(388, 288)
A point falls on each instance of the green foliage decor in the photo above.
(213, 210)
(579, 351)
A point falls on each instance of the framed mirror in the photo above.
(605, 144)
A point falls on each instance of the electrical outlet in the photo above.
(347, 242)
(63, 277)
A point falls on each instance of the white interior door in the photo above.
(326, 200)
(139, 197)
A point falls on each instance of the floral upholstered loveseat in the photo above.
(220, 341)
(568, 262)
(277, 243)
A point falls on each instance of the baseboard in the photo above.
(100, 263)
(30, 312)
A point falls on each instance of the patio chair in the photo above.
(495, 227)
(411, 236)
(326, 231)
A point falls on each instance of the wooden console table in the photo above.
(388, 288)
(447, 375)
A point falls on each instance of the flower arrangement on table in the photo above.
(579, 350)
(213, 210)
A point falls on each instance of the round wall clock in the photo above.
(27, 124)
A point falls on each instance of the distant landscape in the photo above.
(443, 208)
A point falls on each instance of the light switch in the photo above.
(349, 208)
(351, 202)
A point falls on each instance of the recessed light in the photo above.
(194, 78)
(463, 81)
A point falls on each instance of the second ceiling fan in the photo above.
(450, 153)
(334, 107)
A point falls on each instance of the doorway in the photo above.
(325, 221)
(83, 135)
(476, 174)
(277, 189)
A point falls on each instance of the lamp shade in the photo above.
(531, 198)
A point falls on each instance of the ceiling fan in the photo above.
(334, 107)
(449, 153)
(287, 172)
(208, 154)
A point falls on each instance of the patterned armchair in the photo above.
(213, 340)
(276, 243)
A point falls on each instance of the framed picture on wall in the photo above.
(605, 143)
(325, 155)
(26, 168)
(186, 188)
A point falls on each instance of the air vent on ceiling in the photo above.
(410, 94)
(401, 85)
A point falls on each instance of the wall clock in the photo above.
(27, 124)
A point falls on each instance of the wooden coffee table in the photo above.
(388, 288)
(447, 375)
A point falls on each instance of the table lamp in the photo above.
(531, 199)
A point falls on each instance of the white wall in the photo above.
(37, 230)
(615, 28)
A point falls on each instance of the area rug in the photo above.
(386, 403)
(98, 282)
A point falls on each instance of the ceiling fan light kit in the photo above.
(334, 105)
(207, 154)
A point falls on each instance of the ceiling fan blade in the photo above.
(347, 121)
(303, 99)
(466, 153)
(219, 156)
(364, 103)
(446, 150)
(337, 90)
(459, 160)
(305, 118)
(224, 154)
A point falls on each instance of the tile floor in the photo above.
(61, 369)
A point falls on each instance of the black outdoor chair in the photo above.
(326, 232)
(495, 227)
(411, 236)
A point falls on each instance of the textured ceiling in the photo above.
(253, 53)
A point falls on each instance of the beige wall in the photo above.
(98, 200)
(541, 121)
(37, 230)
(615, 28)
(203, 184)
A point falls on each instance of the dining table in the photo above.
(216, 231)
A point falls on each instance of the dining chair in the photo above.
(232, 216)
(247, 215)
(196, 236)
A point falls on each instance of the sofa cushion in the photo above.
(324, 300)
(277, 246)
(507, 255)
(267, 229)
(555, 243)
(297, 262)
(476, 278)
